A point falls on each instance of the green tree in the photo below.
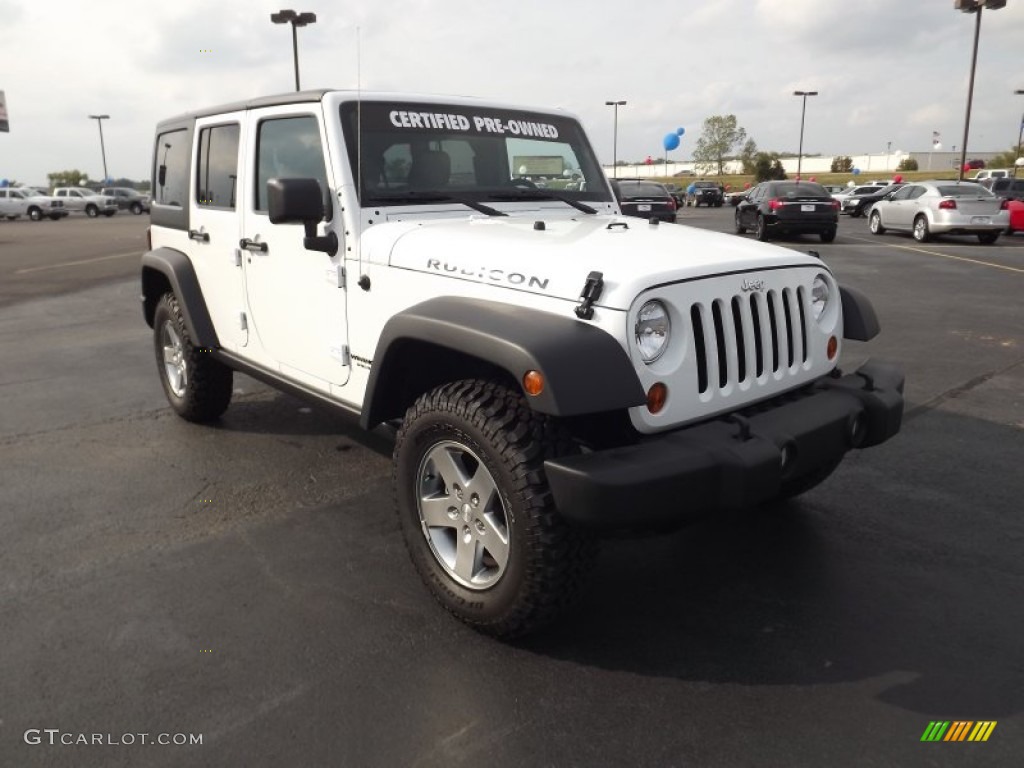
(842, 164)
(907, 164)
(1006, 159)
(719, 135)
(768, 167)
(748, 156)
(73, 178)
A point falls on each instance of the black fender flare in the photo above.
(585, 369)
(860, 322)
(177, 271)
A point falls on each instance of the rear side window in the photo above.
(171, 163)
(288, 148)
(217, 169)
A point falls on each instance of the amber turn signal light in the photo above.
(533, 382)
(833, 347)
(656, 397)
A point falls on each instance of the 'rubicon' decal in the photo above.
(488, 274)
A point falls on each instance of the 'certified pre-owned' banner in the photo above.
(436, 118)
(3, 113)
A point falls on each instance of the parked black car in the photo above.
(860, 204)
(707, 193)
(788, 207)
(1010, 189)
(646, 199)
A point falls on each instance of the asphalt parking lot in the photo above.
(248, 582)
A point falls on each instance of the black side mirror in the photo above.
(301, 201)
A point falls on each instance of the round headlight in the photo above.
(820, 294)
(652, 331)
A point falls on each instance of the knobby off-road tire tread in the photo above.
(557, 557)
(208, 392)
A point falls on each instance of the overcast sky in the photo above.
(887, 70)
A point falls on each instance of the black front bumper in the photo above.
(729, 463)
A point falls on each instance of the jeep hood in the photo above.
(552, 256)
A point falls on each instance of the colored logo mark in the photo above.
(958, 730)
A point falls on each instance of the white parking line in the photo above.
(137, 254)
(937, 253)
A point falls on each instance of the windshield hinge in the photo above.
(591, 293)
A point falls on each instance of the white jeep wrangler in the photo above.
(554, 369)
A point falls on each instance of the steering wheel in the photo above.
(522, 181)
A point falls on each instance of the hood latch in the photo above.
(591, 293)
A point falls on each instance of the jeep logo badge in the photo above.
(752, 285)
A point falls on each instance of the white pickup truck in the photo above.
(16, 202)
(83, 199)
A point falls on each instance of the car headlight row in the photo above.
(652, 331)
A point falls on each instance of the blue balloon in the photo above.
(671, 141)
(856, 171)
(680, 131)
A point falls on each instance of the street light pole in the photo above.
(288, 16)
(976, 7)
(615, 137)
(103, 150)
(1020, 135)
(803, 113)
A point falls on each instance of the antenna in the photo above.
(359, 143)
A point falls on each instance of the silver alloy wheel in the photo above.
(920, 229)
(462, 515)
(874, 221)
(175, 367)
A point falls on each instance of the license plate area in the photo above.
(643, 207)
(808, 208)
(981, 220)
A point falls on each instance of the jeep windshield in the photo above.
(406, 153)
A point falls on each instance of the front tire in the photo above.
(197, 386)
(92, 211)
(36, 214)
(922, 233)
(136, 208)
(740, 229)
(875, 224)
(476, 512)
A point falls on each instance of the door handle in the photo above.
(252, 245)
(202, 237)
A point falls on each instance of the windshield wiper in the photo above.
(435, 197)
(541, 194)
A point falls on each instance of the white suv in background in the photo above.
(86, 200)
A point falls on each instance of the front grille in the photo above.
(749, 337)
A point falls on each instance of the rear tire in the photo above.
(875, 223)
(922, 233)
(761, 229)
(197, 386)
(987, 238)
(828, 235)
(476, 512)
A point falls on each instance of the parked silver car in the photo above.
(927, 208)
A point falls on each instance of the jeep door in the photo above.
(296, 296)
(214, 228)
